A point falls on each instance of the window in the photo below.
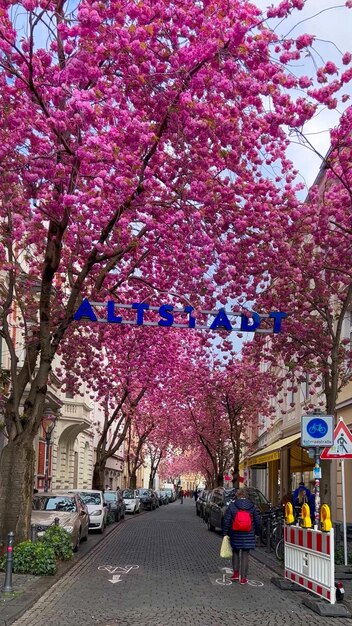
(54, 503)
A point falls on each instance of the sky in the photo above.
(331, 22)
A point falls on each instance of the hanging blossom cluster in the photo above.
(137, 136)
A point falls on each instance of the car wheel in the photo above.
(76, 547)
(123, 516)
(210, 526)
(85, 538)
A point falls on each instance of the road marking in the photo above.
(112, 569)
(223, 581)
(115, 579)
(255, 583)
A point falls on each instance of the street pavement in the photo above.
(163, 569)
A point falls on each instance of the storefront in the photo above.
(277, 469)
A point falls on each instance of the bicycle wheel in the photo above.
(280, 550)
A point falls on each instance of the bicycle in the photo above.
(272, 521)
(280, 550)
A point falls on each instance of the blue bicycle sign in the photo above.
(317, 428)
(317, 431)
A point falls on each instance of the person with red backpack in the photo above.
(241, 523)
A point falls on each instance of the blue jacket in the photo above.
(296, 492)
(245, 539)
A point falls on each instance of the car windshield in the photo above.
(144, 492)
(128, 495)
(257, 497)
(54, 503)
(90, 498)
(110, 497)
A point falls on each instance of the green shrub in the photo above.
(59, 540)
(32, 558)
(340, 557)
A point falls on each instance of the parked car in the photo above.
(171, 494)
(116, 504)
(69, 508)
(220, 498)
(147, 498)
(157, 499)
(158, 495)
(200, 503)
(132, 501)
(206, 506)
(97, 507)
(164, 497)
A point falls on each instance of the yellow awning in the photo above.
(271, 453)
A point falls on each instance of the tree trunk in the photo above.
(16, 487)
(98, 475)
(220, 480)
(151, 481)
(133, 480)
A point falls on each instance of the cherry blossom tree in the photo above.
(132, 372)
(316, 290)
(132, 148)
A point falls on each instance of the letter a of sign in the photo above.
(85, 311)
(342, 446)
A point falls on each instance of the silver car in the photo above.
(132, 501)
(68, 508)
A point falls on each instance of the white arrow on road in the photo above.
(115, 579)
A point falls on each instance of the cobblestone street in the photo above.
(163, 569)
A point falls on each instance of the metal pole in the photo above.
(268, 534)
(33, 533)
(317, 490)
(8, 565)
(344, 512)
(46, 475)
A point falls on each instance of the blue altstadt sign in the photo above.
(222, 320)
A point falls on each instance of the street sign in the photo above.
(342, 444)
(317, 431)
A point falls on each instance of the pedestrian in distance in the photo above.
(301, 496)
(298, 492)
(241, 523)
(180, 495)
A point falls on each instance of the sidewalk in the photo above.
(27, 590)
(268, 559)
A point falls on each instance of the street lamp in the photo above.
(48, 423)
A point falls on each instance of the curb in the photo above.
(274, 567)
(14, 609)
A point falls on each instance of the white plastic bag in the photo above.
(226, 550)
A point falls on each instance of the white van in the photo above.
(97, 507)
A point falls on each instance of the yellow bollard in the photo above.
(289, 517)
(306, 521)
(325, 518)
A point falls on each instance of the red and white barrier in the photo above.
(310, 560)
